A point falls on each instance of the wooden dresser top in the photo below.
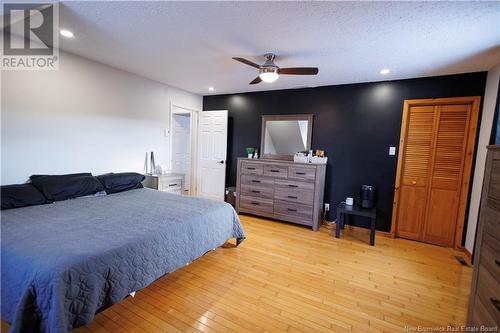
(288, 163)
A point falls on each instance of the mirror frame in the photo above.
(266, 118)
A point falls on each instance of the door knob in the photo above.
(414, 182)
(221, 162)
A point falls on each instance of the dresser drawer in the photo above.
(489, 217)
(258, 181)
(299, 211)
(274, 170)
(302, 173)
(494, 185)
(170, 186)
(480, 315)
(258, 204)
(250, 168)
(290, 190)
(490, 255)
(257, 186)
(488, 292)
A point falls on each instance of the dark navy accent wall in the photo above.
(355, 124)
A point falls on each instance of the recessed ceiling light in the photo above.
(66, 33)
(211, 89)
(384, 71)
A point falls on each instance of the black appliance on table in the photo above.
(367, 196)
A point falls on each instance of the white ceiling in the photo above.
(190, 44)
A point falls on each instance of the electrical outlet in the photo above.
(327, 207)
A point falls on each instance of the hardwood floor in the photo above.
(286, 278)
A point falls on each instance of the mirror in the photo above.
(283, 136)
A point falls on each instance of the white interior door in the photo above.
(181, 146)
(212, 152)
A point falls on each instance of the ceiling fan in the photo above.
(269, 72)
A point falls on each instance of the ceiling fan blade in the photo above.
(256, 80)
(247, 62)
(298, 71)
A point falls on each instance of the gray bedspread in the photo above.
(64, 261)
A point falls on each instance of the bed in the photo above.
(63, 262)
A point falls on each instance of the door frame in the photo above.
(474, 101)
(193, 137)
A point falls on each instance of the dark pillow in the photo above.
(119, 182)
(22, 195)
(66, 175)
(63, 187)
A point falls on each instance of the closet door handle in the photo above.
(292, 197)
(290, 185)
(496, 303)
(255, 181)
(300, 173)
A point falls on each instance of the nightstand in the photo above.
(343, 210)
(167, 182)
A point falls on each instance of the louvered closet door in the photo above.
(417, 157)
(446, 173)
(437, 142)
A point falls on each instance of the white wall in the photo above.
(84, 117)
(490, 98)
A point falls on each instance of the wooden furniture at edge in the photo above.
(484, 303)
(282, 190)
(434, 168)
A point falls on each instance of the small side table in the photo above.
(167, 182)
(343, 210)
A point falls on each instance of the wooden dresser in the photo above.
(484, 303)
(282, 190)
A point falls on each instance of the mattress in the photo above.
(63, 262)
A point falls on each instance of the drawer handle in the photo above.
(292, 197)
(255, 191)
(274, 170)
(496, 303)
(290, 185)
(255, 203)
(300, 173)
(255, 181)
(172, 185)
(292, 210)
(497, 262)
(250, 168)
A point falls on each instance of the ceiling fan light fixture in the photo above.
(269, 77)
(269, 74)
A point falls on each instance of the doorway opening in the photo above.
(183, 145)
